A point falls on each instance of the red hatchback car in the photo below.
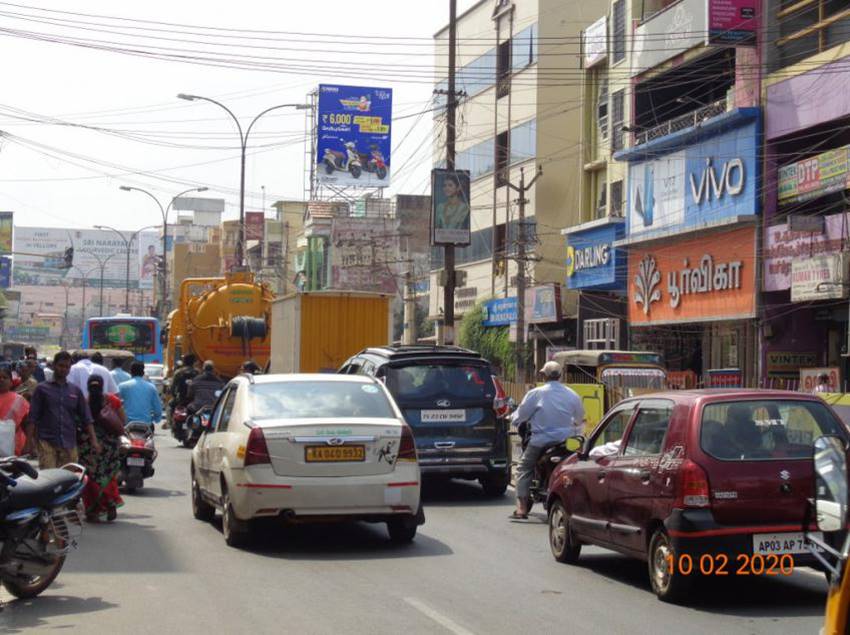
(703, 482)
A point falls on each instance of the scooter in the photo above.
(196, 425)
(374, 163)
(179, 423)
(348, 161)
(137, 453)
(553, 453)
(41, 517)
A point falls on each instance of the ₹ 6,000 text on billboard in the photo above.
(353, 135)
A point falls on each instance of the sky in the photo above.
(53, 172)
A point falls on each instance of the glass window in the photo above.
(617, 120)
(617, 198)
(429, 381)
(503, 68)
(525, 47)
(523, 141)
(217, 409)
(614, 429)
(602, 108)
(226, 410)
(765, 429)
(319, 399)
(649, 429)
(619, 20)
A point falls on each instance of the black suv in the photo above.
(454, 404)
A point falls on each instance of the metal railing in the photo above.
(689, 120)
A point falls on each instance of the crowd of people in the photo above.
(74, 411)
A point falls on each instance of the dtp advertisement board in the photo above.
(354, 135)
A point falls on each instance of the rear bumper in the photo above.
(465, 467)
(259, 492)
(695, 532)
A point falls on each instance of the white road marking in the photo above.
(438, 617)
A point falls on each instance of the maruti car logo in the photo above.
(444, 403)
(335, 441)
(785, 475)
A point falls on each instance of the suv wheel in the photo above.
(669, 586)
(561, 539)
(495, 484)
(200, 508)
(235, 531)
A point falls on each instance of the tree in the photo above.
(491, 342)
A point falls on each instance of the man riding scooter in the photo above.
(555, 413)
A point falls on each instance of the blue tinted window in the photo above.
(525, 47)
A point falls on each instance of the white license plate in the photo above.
(443, 416)
(133, 461)
(790, 543)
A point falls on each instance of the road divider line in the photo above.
(442, 620)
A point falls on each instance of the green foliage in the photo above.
(490, 341)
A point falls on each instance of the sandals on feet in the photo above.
(517, 516)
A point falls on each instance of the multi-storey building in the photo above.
(807, 172)
(518, 72)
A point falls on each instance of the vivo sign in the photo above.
(714, 186)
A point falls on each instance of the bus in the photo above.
(139, 335)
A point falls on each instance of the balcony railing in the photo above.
(689, 120)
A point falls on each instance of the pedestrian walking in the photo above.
(554, 412)
(13, 413)
(31, 354)
(58, 409)
(85, 368)
(26, 371)
(140, 397)
(101, 494)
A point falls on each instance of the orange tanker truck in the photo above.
(224, 319)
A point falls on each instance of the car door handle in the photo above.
(601, 475)
(645, 476)
(444, 445)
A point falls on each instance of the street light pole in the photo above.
(102, 265)
(127, 244)
(243, 141)
(164, 211)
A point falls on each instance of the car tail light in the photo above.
(407, 448)
(694, 485)
(500, 403)
(257, 452)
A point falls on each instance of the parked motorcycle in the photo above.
(553, 453)
(179, 424)
(348, 161)
(41, 517)
(196, 425)
(137, 453)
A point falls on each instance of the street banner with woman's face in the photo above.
(450, 213)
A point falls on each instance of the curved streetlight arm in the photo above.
(279, 106)
(127, 188)
(220, 105)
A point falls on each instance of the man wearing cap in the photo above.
(555, 413)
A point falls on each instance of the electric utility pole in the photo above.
(521, 260)
(449, 250)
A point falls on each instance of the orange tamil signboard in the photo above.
(695, 280)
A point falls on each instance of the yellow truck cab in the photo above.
(830, 507)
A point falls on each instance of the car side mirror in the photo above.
(831, 495)
(576, 445)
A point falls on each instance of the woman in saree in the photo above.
(13, 408)
(101, 493)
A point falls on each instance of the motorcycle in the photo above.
(553, 453)
(179, 424)
(196, 425)
(374, 163)
(41, 518)
(137, 452)
(348, 161)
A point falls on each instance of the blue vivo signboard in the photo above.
(353, 135)
(687, 185)
(500, 312)
(592, 260)
(5, 272)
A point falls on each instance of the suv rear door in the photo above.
(449, 403)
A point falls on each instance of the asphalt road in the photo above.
(470, 570)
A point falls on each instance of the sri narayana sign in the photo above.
(696, 280)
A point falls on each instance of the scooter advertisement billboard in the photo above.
(354, 136)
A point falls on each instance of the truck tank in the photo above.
(226, 320)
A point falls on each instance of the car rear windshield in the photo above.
(433, 381)
(765, 429)
(319, 400)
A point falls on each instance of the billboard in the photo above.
(668, 33)
(150, 253)
(364, 255)
(5, 272)
(782, 247)
(255, 225)
(353, 135)
(732, 22)
(6, 233)
(450, 213)
(592, 260)
(595, 40)
(40, 256)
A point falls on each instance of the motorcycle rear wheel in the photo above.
(25, 588)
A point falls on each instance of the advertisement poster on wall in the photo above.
(810, 378)
(657, 197)
(782, 247)
(150, 253)
(354, 135)
(255, 225)
(5, 272)
(595, 42)
(450, 214)
(363, 254)
(732, 22)
(6, 233)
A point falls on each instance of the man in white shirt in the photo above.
(555, 413)
(85, 368)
